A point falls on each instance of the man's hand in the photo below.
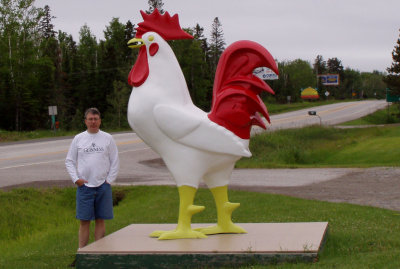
(80, 182)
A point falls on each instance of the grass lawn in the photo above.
(38, 229)
(317, 146)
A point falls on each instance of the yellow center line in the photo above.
(339, 108)
(130, 142)
(323, 112)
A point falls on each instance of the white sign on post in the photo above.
(265, 73)
(52, 110)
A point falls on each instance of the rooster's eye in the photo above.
(150, 38)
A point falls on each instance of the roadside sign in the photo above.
(53, 113)
(392, 98)
(265, 73)
(329, 79)
(52, 110)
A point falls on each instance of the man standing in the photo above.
(92, 162)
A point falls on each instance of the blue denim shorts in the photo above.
(94, 203)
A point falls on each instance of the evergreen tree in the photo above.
(190, 56)
(116, 50)
(198, 34)
(393, 78)
(87, 92)
(115, 61)
(116, 116)
(153, 4)
(319, 68)
(50, 52)
(217, 45)
(46, 28)
(66, 80)
(334, 66)
(130, 32)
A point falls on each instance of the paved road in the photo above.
(21, 163)
(326, 115)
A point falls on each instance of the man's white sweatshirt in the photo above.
(93, 157)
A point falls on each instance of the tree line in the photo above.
(40, 67)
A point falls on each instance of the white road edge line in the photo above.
(53, 161)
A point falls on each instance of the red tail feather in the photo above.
(235, 95)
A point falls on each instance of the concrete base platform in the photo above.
(131, 247)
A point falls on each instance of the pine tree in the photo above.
(334, 66)
(46, 28)
(130, 32)
(118, 100)
(196, 71)
(153, 4)
(217, 45)
(198, 34)
(319, 68)
(319, 65)
(393, 78)
(87, 91)
(50, 77)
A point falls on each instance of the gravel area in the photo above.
(377, 187)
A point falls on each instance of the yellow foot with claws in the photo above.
(225, 229)
(177, 234)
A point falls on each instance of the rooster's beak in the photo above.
(135, 43)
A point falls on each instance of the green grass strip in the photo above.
(325, 147)
(387, 115)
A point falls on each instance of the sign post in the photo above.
(53, 113)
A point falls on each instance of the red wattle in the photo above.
(140, 71)
(153, 49)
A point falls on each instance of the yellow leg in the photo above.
(186, 211)
(224, 214)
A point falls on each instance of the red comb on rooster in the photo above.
(168, 27)
(195, 146)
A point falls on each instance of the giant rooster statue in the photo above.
(195, 145)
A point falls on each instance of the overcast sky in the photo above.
(361, 33)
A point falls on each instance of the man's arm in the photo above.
(114, 162)
(70, 163)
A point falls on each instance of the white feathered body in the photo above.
(163, 115)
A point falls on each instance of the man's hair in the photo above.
(93, 111)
